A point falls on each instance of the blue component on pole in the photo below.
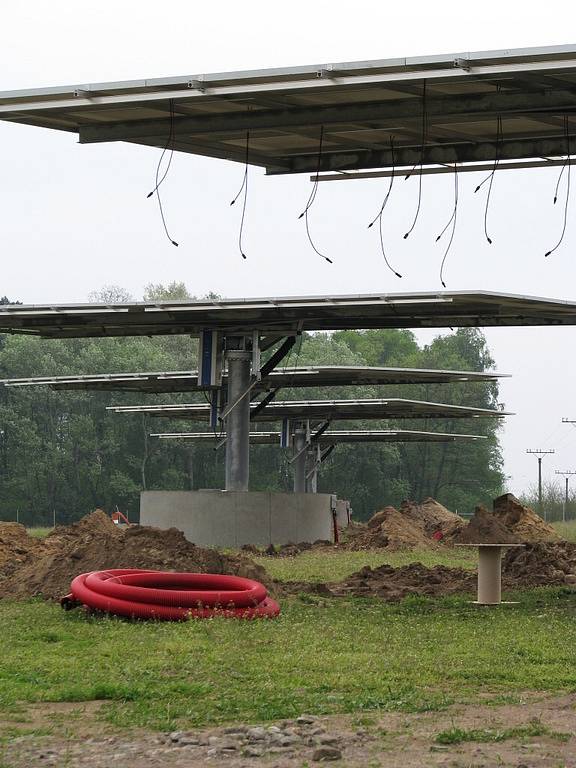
(285, 440)
(210, 359)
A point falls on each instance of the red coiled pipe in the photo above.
(169, 596)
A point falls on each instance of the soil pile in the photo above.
(542, 564)
(522, 521)
(390, 583)
(95, 543)
(485, 528)
(388, 528)
(412, 526)
(432, 516)
(15, 544)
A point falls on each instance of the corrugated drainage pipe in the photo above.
(166, 596)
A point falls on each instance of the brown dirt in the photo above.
(522, 521)
(542, 564)
(392, 584)
(412, 526)
(485, 528)
(15, 543)
(95, 543)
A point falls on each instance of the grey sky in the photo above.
(76, 217)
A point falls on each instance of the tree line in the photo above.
(63, 452)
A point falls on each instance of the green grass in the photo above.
(39, 533)
(533, 729)
(334, 566)
(320, 656)
(566, 530)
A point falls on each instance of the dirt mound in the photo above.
(541, 564)
(485, 528)
(522, 521)
(95, 543)
(412, 526)
(388, 528)
(15, 544)
(391, 584)
(432, 515)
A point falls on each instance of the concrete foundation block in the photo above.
(233, 518)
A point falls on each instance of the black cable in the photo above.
(244, 187)
(490, 177)
(312, 197)
(422, 148)
(453, 221)
(159, 181)
(567, 137)
(378, 217)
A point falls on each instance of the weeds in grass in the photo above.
(533, 729)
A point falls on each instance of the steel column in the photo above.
(238, 421)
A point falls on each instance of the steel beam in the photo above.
(433, 154)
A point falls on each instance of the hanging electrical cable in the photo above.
(378, 217)
(244, 187)
(568, 164)
(490, 177)
(451, 220)
(420, 164)
(159, 181)
(312, 197)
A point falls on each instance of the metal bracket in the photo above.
(464, 64)
(197, 85)
(327, 71)
(220, 443)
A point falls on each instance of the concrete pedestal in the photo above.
(490, 572)
(216, 518)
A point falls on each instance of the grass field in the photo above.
(326, 565)
(322, 655)
(566, 530)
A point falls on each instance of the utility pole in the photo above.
(539, 455)
(566, 474)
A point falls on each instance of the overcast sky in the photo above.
(74, 218)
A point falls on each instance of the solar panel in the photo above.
(303, 376)
(358, 105)
(335, 437)
(389, 408)
(287, 315)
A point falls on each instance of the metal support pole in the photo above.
(540, 485)
(565, 502)
(539, 455)
(238, 421)
(300, 462)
